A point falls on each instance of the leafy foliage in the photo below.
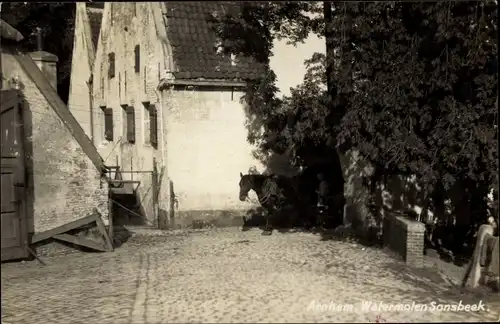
(426, 90)
(56, 22)
(251, 32)
(412, 86)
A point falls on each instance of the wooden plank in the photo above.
(79, 241)
(102, 229)
(110, 217)
(9, 98)
(125, 181)
(38, 237)
(36, 256)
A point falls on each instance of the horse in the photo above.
(273, 192)
(269, 193)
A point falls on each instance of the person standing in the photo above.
(322, 191)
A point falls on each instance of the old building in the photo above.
(50, 170)
(163, 96)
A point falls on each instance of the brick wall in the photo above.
(63, 184)
(405, 237)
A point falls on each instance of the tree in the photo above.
(251, 32)
(426, 93)
(55, 21)
(412, 86)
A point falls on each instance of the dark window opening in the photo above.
(108, 123)
(111, 14)
(153, 125)
(129, 110)
(137, 52)
(111, 67)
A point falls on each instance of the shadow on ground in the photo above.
(438, 287)
(287, 221)
(121, 235)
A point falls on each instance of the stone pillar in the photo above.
(47, 63)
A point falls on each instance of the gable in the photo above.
(194, 43)
(95, 20)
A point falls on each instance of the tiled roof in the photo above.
(193, 43)
(95, 19)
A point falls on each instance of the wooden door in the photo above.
(14, 236)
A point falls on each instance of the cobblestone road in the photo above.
(225, 275)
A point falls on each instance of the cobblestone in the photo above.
(225, 275)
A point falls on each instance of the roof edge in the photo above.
(10, 33)
(165, 83)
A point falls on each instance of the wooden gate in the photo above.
(14, 236)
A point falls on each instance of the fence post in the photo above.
(173, 203)
(110, 217)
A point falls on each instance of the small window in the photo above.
(130, 124)
(108, 123)
(153, 125)
(111, 67)
(112, 11)
(137, 52)
(125, 83)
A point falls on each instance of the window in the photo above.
(125, 83)
(130, 123)
(153, 123)
(108, 123)
(111, 67)
(137, 52)
(153, 126)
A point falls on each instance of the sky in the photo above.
(288, 61)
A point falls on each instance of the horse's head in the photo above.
(246, 184)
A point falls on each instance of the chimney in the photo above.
(39, 39)
(47, 63)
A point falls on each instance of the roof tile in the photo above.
(194, 43)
